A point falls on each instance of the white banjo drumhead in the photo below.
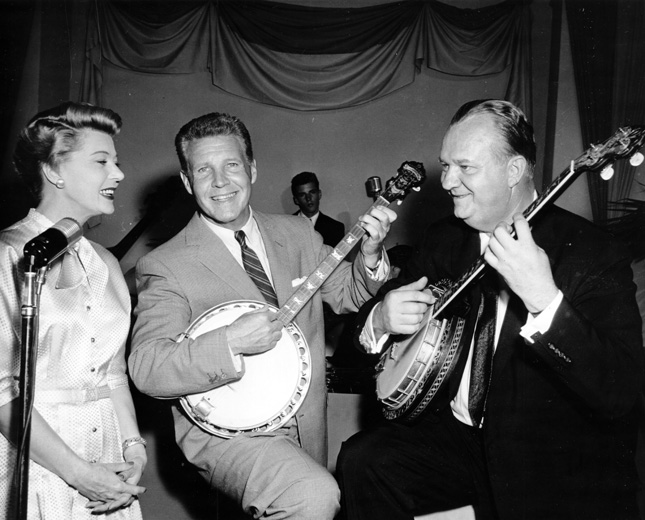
(270, 391)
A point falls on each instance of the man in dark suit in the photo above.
(275, 469)
(550, 431)
(306, 195)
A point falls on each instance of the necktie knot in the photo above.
(241, 238)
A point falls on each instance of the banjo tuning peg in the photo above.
(607, 173)
(636, 159)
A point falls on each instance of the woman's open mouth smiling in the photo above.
(108, 193)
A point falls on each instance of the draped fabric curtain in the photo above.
(628, 86)
(608, 50)
(310, 58)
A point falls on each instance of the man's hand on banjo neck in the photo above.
(254, 332)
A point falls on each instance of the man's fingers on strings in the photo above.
(522, 227)
(503, 233)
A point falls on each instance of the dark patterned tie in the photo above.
(482, 362)
(254, 269)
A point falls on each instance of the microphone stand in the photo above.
(39, 254)
(34, 280)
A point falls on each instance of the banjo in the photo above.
(260, 401)
(412, 370)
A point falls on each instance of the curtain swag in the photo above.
(310, 58)
(608, 49)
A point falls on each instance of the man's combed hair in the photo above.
(511, 122)
(211, 125)
(304, 178)
(51, 135)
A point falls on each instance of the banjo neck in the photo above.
(409, 176)
(315, 280)
(624, 142)
(480, 264)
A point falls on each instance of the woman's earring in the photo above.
(60, 184)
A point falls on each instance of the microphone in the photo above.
(373, 187)
(53, 242)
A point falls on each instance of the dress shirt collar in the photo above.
(228, 236)
(253, 239)
(313, 219)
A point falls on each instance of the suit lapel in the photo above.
(211, 252)
(514, 319)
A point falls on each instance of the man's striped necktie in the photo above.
(254, 269)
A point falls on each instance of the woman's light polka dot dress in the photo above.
(84, 321)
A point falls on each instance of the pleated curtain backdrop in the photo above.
(309, 58)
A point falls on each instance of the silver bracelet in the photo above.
(131, 442)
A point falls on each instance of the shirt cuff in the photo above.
(542, 322)
(237, 361)
(381, 271)
(366, 337)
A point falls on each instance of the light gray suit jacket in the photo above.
(193, 272)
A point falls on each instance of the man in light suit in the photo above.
(306, 192)
(555, 434)
(276, 474)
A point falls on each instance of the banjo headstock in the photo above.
(625, 142)
(410, 176)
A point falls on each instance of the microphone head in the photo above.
(373, 186)
(72, 230)
(53, 242)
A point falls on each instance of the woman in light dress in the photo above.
(87, 456)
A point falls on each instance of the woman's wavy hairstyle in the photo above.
(51, 135)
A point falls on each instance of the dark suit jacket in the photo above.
(560, 430)
(331, 230)
(194, 272)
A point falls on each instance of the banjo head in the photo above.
(270, 392)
